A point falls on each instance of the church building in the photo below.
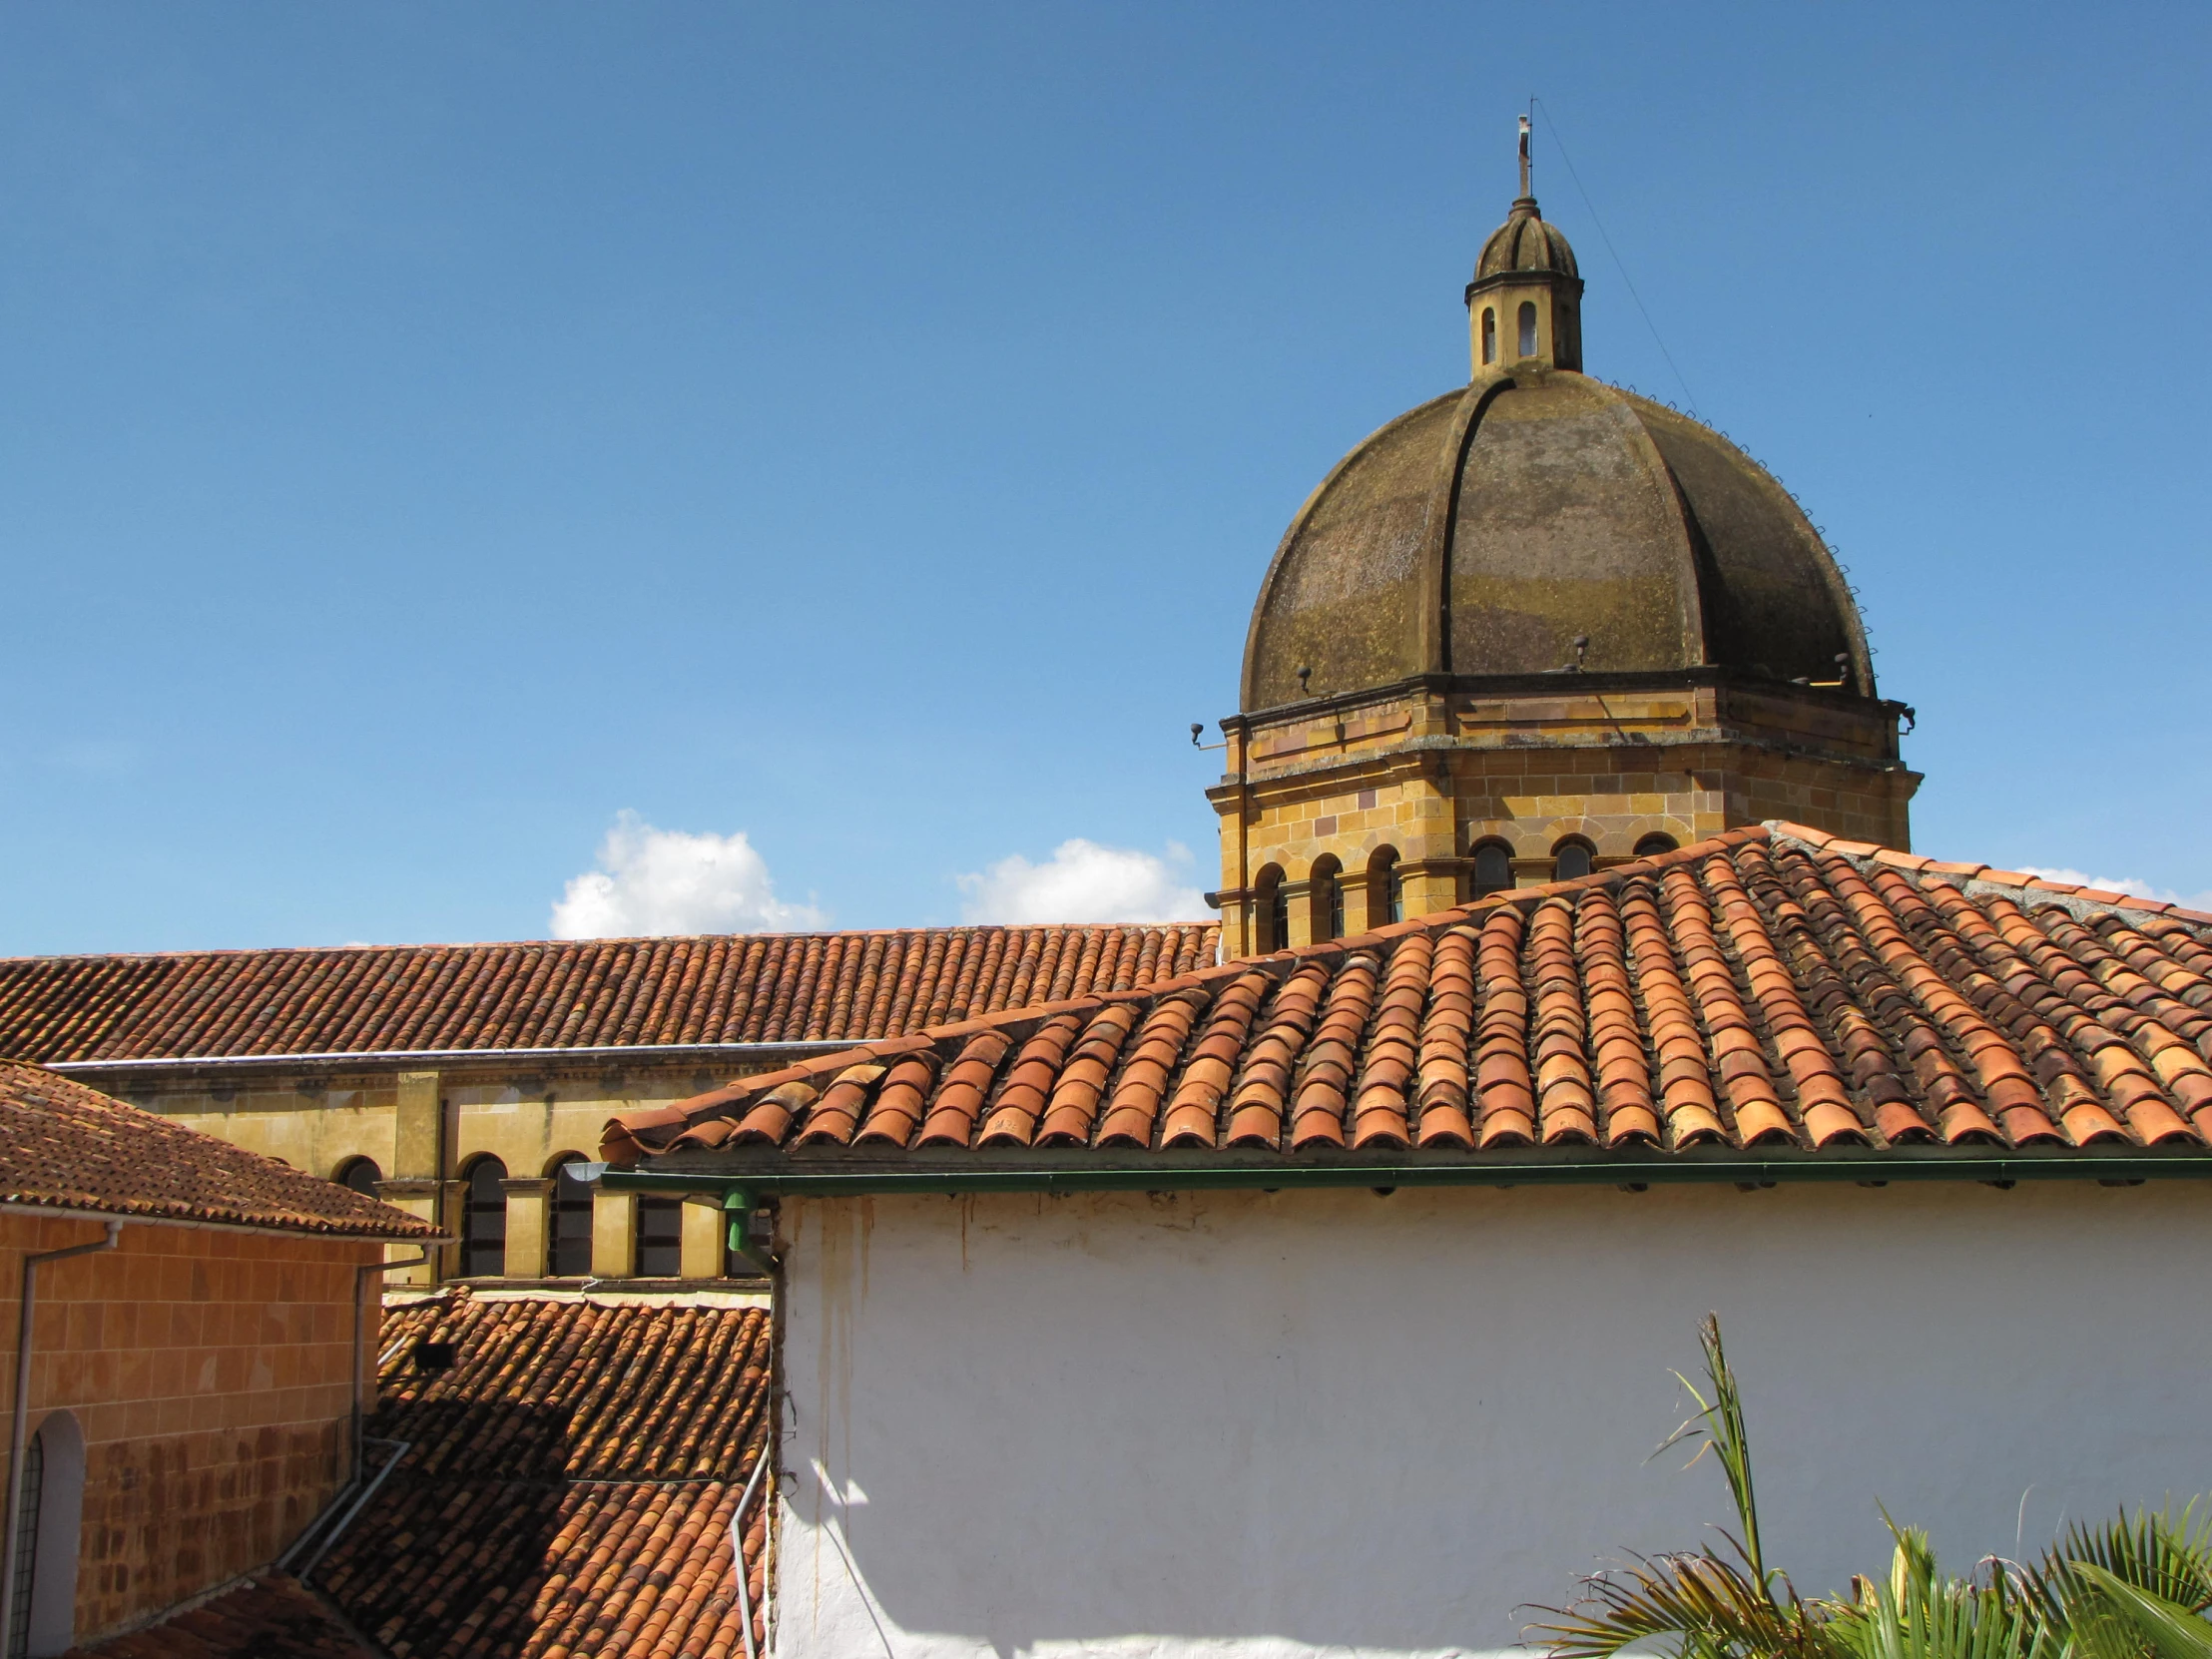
(1536, 627)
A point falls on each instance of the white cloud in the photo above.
(1085, 881)
(2122, 883)
(660, 881)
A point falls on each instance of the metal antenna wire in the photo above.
(1619, 264)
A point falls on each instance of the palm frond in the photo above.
(1719, 1423)
(1710, 1607)
(1919, 1613)
(2110, 1618)
(2167, 1554)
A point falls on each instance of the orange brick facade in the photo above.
(208, 1374)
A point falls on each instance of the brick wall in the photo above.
(208, 1372)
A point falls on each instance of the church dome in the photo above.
(1486, 533)
(1525, 241)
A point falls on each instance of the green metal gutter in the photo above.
(743, 1187)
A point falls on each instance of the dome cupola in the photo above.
(1525, 303)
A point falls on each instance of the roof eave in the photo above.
(759, 1173)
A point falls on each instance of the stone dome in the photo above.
(1525, 241)
(1480, 534)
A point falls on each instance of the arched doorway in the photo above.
(42, 1619)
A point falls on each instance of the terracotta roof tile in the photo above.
(1771, 986)
(66, 1146)
(570, 1483)
(597, 993)
(257, 1620)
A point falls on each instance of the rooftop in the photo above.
(547, 995)
(569, 1482)
(1768, 995)
(65, 1146)
(267, 1616)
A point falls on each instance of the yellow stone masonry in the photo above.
(1405, 790)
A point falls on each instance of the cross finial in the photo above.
(1525, 155)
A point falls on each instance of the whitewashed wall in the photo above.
(1356, 1423)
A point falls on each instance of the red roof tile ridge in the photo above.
(361, 947)
(628, 1135)
(1980, 876)
(66, 1146)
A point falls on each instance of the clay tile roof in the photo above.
(68, 1147)
(571, 1481)
(256, 1620)
(1771, 987)
(592, 993)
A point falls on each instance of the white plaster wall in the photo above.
(1354, 1424)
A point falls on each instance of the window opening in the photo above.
(1494, 868)
(361, 1175)
(1327, 898)
(568, 1249)
(1386, 891)
(1489, 335)
(1569, 860)
(484, 1221)
(1528, 328)
(660, 1238)
(1652, 845)
(1271, 912)
(26, 1546)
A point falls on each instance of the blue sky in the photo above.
(430, 432)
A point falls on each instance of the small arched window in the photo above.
(1271, 912)
(1650, 847)
(1325, 895)
(360, 1174)
(1570, 860)
(1489, 335)
(1494, 868)
(1386, 888)
(568, 1237)
(660, 1238)
(1528, 327)
(484, 1221)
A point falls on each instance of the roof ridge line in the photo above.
(1968, 877)
(1019, 1023)
(610, 939)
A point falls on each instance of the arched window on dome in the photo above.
(1651, 845)
(484, 1219)
(1324, 894)
(1386, 888)
(1271, 912)
(1489, 334)
(1494, 868)
(1571, 859)
(1528, 327)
